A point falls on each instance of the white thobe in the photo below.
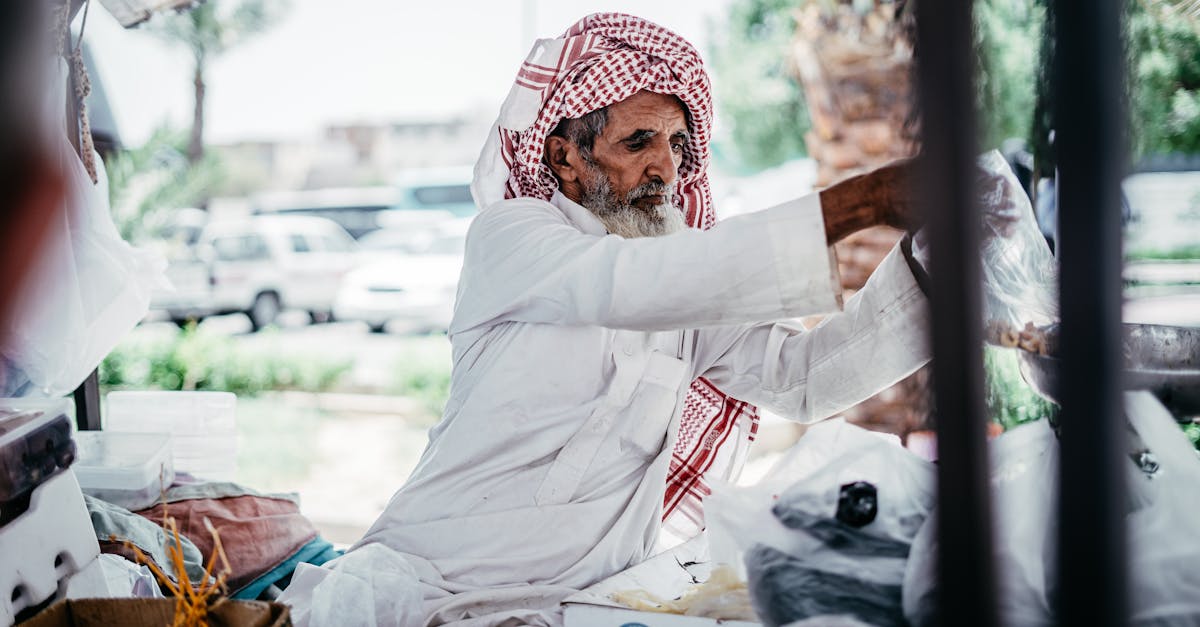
(573, 351)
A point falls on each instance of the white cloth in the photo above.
(573, 351)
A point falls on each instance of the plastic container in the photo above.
(203, 427)
(126, 469)
(35, 441)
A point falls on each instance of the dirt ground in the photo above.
(347, 454)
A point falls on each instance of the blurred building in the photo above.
(353, 154)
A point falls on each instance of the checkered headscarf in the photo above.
(601, 60)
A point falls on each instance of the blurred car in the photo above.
(438, 189)
(187, 271)
(410, 275)
(354, 208)
(264, 264)
(418, 197)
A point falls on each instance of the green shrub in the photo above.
(190, 360)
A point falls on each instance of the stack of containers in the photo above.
(202, 425)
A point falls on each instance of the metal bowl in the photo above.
(1160, 358)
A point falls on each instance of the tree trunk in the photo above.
(195, 150)
(854, 68)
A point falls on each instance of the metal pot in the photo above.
(1160, 358)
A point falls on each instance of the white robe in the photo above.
(573, 352)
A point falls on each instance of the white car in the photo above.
(409, 275)
(265, 264)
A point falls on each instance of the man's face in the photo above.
(641, 145)
(628, 177)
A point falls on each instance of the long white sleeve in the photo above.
(803, 375)
(527, 262)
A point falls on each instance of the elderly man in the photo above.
(600, 324)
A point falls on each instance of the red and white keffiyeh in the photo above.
(601, 60)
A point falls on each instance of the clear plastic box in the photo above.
(127, 469)
(203, 427)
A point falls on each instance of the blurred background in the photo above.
(304, 167)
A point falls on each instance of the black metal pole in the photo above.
(1089, 141)
(945, 190)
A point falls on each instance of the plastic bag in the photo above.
(1164, 530)
(1020, 274)
(367, 587)
(1024, 473)
(87, 289)
(803, 536)
(1163, 525)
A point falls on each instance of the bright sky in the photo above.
(352, 61)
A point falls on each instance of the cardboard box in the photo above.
(155, 613)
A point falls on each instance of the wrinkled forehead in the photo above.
(650, 110)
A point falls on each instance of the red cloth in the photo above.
(257, 532)
(601, 60)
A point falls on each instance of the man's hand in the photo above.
(880, 197)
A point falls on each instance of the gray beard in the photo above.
(621, 217)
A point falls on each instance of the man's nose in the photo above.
(662, 165)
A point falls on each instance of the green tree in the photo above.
(1007, 33)
(147, 182)
(1163, 79)
(208, 31)
(760, 100)
(764, 104)
(1164, 76)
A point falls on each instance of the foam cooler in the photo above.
(49, 549)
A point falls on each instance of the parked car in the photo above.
(419, 196)
(411, 275)
(354, 208)
(265, 264)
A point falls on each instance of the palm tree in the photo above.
(854, 61)
(208, 31)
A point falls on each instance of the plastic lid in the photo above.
(123, 461)
(180, 413)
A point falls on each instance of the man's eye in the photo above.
(636, 146)
(677, 148)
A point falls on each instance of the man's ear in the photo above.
(563, 158)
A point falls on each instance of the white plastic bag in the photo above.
(1020, 274)
(1163, 527)
(785, 527)
(1024, 474)
(87, 289)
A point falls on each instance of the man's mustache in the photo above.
(652, 188)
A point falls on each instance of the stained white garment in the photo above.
(573, 351)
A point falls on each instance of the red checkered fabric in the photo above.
(601, 60)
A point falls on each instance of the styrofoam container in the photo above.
(45, 546)
(127, 469)
(203, 427)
